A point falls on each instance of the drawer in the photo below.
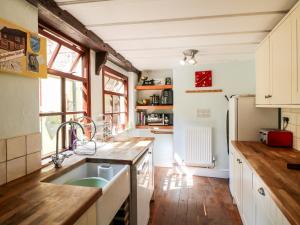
(261, 195)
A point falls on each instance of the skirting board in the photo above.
(206, 172)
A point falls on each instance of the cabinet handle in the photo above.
(239, 161)
(268, 96)
(261, 191)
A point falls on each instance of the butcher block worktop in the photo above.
(28, 200)
(270, 164)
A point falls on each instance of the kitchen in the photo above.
(113, 114)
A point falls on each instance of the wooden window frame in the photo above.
(83, 53)
(106, 72)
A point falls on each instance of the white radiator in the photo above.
(198, 143)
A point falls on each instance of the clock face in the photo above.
(203, 79)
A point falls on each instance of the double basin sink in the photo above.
(115, 185)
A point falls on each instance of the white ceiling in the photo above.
(152, 34)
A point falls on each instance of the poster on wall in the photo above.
(22, 52)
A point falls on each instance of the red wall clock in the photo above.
(203, 78)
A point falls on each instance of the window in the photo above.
(64, 95)
(115, 99)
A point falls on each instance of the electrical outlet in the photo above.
(285, 119)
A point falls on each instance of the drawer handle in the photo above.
(268, 96)
(261, 191)
(239, 161)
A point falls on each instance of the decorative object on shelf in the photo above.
(143, 102)
(154, 100)
(168, 81)
(203, 78)
(167, 97)
(189, 57)
(204, 91)
(154, 119)
(22, 52)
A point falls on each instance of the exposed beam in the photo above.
(75, 2)
(185, 19)
(185, 47)
(51, 14)
(100, 60)
(187, 36)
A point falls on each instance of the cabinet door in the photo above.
(261, 216)
(247, 194)
(238, 181)
(163, 150)
(281, 63)
(231, 175)
(262, 59)
(296, 56)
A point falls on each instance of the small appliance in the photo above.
(276, 138)
(167, 97)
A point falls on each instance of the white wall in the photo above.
(233, 78)
(19, 96)
(96, 90)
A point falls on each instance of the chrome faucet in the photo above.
(58, 159)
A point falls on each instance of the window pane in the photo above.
(114, 85)
(65, 59)
(77, 71)
(123, 104)
(119, 87)
(116, 104)
(51, 46)
(50, 94)
(74, 95)
(49, 125)
(108, 104)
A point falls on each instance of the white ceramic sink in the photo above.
(115, 190)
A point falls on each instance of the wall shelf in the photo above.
(154, 107)
(153, 87)
(154, 127)
(204, 91)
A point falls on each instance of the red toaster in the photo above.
(276, 138)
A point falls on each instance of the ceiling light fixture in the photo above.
(189, 57)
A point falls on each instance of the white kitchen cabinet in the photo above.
(262, 60)
(247, 193)
(281, 63)
(163, 150)
(237, 181)
(296, 56)
(231, 176)
(89, 217)
(255, 205)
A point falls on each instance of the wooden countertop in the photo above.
(28, 200)
(270, 164)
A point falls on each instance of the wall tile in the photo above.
(16, 147)
(297, 132)
(2, 150)
(297, 144)
(33, 143)
(16, 168)
(291, 116)
(2, 173)
(33, 162)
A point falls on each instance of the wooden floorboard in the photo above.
(181, 199)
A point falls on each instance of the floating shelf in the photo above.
(157, 127)
(153, 87)
(155, 107)
(203, 91)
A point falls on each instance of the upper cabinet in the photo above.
(263, 72)
(278, 64)
(295, 17)
(281, 64)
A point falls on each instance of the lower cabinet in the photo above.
(89, 217)
(254, 203)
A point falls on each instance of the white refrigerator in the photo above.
(245, 121)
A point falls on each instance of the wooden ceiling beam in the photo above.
(51, 14)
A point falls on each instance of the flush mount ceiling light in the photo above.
(189, 57)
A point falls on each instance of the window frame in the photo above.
(83, 53)
(108, 72)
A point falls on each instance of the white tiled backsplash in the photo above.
(19, 156)
(294, 124)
